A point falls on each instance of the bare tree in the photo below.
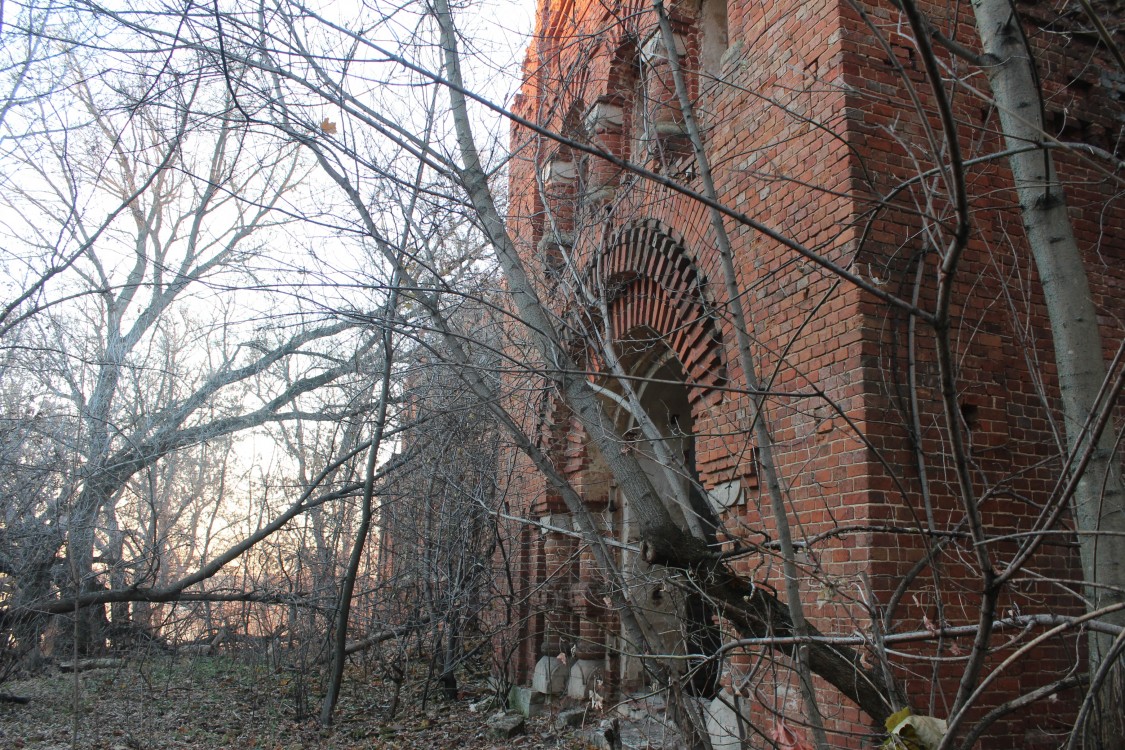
(108, 341)
(917, 249)
(1086, 394)
(954, 242)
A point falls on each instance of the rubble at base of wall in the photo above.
(505, 726)
(633, 734)
(525, 701)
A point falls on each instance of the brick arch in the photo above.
(652, 284)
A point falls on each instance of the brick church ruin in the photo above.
(823, 134)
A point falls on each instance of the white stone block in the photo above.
(603, 116)
(723, 724)
(550, 677)
(558, 170)
(725, 495)
(580, 673)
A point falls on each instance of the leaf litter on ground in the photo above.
(155, 702)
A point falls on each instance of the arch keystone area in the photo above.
(649, 281)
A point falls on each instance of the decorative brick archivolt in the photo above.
(651, 284)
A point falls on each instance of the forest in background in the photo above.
(259, 306)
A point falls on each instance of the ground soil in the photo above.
(156, 702)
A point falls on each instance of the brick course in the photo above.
(810, 126)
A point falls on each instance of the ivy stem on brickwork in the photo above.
(758, 416)
(933, 545)
(953, 172)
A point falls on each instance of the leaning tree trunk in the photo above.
(753, 612)
(347, 586)
(1099, 499)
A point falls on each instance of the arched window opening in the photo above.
(665, 448)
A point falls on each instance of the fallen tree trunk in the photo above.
(207, 648)
(383, 636)
(755, 610)
(83, 665)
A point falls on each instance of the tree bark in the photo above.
(1099, 500)
(749, 607)
(347, 587)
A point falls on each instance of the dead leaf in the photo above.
(328, 127)
(929, 625)
(910, 732)
(786, 738)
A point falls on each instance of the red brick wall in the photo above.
(812, 132)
